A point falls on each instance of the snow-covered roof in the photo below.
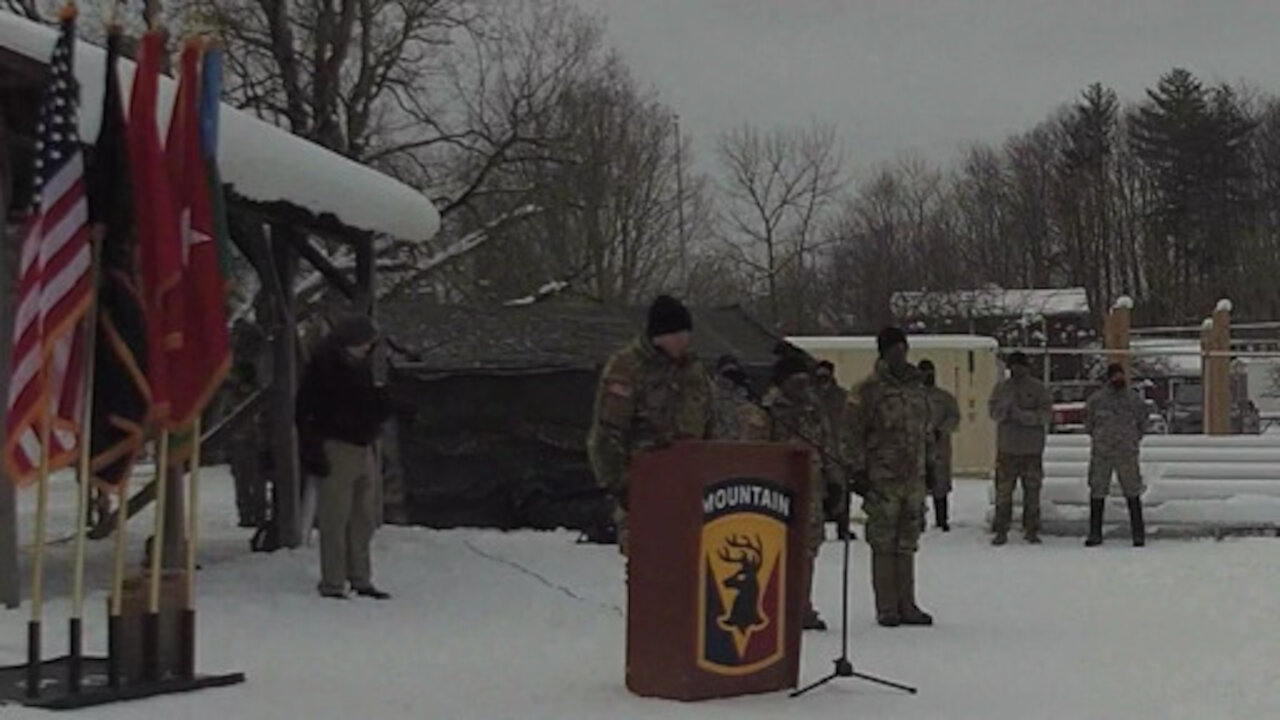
(261, 162)
(1176, 356)
(920, 342)
(992, 302)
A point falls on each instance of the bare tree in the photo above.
(777, 188)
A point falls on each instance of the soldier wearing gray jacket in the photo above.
(1023, 409)
(1116, 419)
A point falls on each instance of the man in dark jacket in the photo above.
(340, 411)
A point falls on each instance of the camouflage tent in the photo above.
(503, 397)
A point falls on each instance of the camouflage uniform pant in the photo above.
(895, 517)
(620, 523)
(1125, 468)
(1009, 469)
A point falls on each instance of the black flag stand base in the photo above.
(843, 666)
(56, 692)
(79, 681)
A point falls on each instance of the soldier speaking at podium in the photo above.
(651, 393)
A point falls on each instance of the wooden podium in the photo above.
(715, 586)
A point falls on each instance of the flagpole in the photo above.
(75, 630)
(193, 538)
(37, 550)
(114, 629)
(151, 624)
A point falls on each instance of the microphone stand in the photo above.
(843, 665)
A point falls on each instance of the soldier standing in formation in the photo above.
(834, 400)
(732, 401)
(889, 441)
(1023, 409)
(651, 393)
(793, 414)
(944, 419)
(1115, 418)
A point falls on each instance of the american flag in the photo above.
(54, 285)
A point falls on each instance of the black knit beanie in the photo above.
(889, 337)
(668, 315)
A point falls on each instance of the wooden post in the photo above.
(1117, 331)
(1218, 388)
(10, 583)
(284, 351)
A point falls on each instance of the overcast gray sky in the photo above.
(925, 75)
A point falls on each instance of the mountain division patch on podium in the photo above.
(742, 605)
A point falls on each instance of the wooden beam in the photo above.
(284, 441)
(312, 255)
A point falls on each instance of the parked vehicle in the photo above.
(1186, 410)
(1069, 398)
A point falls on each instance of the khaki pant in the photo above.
(346, 515)
(1009, 469)
(1126, 469)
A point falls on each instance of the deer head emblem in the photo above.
(744, 615)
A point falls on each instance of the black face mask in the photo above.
(734, 375)
(929, 380)
(1118, 383)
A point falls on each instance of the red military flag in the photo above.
(159, 239)
(55, 285)
(205, 355)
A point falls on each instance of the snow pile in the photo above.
(260, 161)
(1209, 483)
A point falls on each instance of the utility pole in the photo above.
(684, 247)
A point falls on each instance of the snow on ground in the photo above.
(530, 625)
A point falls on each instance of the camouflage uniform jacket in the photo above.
(784, 420)
(645, 400)
(1116, 420)
(732, 409)
(944, 415)
(1023, 410)
(889, 435)
(835, 403)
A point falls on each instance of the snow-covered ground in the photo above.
(530, 625)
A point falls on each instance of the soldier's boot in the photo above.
(940, 513)
(884, 583)
(1001, 538)
(1096, 508)
(908, 611)
(1136, 523)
